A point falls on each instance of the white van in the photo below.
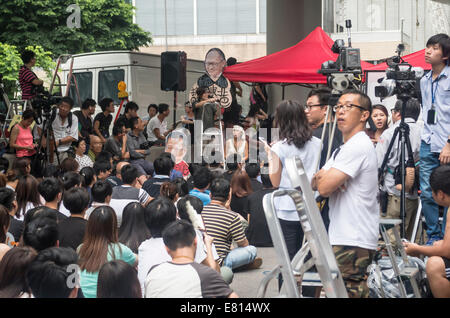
(98, 73)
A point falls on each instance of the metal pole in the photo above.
(165, 23)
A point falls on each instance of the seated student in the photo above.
(88, 179)
(182, 277)
(258, 233)
(133, 231)
(70, 180)
(49, 275)
(174, 174)
(116, 145)
(115, 180)
(163, 167)
(158, 214)
(253, 170)
(128, 192)
(202, 179)
(13, 268)
(41, 232)
(8, 200)
(102, 169)
(51, 190)
(4, 226)
(438, 265)
(241, 188)
(71, 230)
(192, 169)
(100, 246)
(101, 195)
(225, 226)
(234, 163)
(131, 109)
(117, 279)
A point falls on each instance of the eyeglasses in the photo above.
(308, 107)
(213, 64)
(338, 107)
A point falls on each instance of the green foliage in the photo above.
(105, 25)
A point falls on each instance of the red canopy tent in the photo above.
(297, 64)
(416, 59)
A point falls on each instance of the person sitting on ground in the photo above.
(128, 192)
(182, 277)
(102, 169)
(50, 274)
(70, 180)
(117, 279)
(241, 188)
(4, 227)
(27, 195)
(225, 226)
(101, 195)
(21, 167)
(8, 200)
(163, 167)
(237, 143)
(438, 263)
(138, 147)
(234, 163)
(253, 171)
(41, 232)
(174, 174)
(80, 149)
(100, 245)
(131, 109)
(88, 180)
(202, 179)
(13, 268)
(116, 145)
(133, 231)
(103, 120)
(116, 180)
(68, 165)
(71, 230)
(95, 147)
(157, 126)
(51, 190)
(258, 233)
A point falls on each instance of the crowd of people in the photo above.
(99, 215)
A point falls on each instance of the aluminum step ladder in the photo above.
(316, 242)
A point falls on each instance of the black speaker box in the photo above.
(173, 71)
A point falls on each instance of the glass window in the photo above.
(262, 16)
(84, 83)
(107, 84)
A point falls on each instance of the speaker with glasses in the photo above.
(173, 71)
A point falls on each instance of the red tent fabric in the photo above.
(296, 64)
(416, 59)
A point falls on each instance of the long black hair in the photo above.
(133, 231)
(290, 119)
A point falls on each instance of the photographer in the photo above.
(205, 107)
(65, 128)
(435, 146)
(138, 147)
(412, 112)
(27, 79)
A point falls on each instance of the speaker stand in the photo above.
(174, 108)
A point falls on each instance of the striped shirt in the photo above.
(26, 76)
(124, 194)
(223, 226)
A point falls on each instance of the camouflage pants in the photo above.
(353, 262)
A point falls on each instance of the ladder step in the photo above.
(409, 272)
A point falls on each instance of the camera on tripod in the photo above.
(43, 101)
(345, 72)
(401, 78)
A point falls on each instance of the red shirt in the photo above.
(183, 167)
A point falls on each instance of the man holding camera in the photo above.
(435, 146)
(138, 147)
(27, 79)
(392, 175)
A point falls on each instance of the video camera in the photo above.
(345, 72)
(401, 78)
(43, 101)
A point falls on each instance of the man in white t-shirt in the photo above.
(350, 180)
(157, 126)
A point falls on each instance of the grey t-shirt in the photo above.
(113, 147)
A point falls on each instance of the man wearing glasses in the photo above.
(350, 181)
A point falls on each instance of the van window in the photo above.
(84, 82)
(107, 84)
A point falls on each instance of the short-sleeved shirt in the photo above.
(88, 280)
(124, 194)
(204, 196)
(223, 226)
(124, 121)
(105, 122)
(62, 130)
(71, 232)
(114, 147)
(153, 185)
(26, 76)
(84, 125)
(152, 125)
(354, 212)
(192, 280)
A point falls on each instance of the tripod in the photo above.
(405, 144)
(47, 132)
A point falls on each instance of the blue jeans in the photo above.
(240, 256)
(428, 162)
